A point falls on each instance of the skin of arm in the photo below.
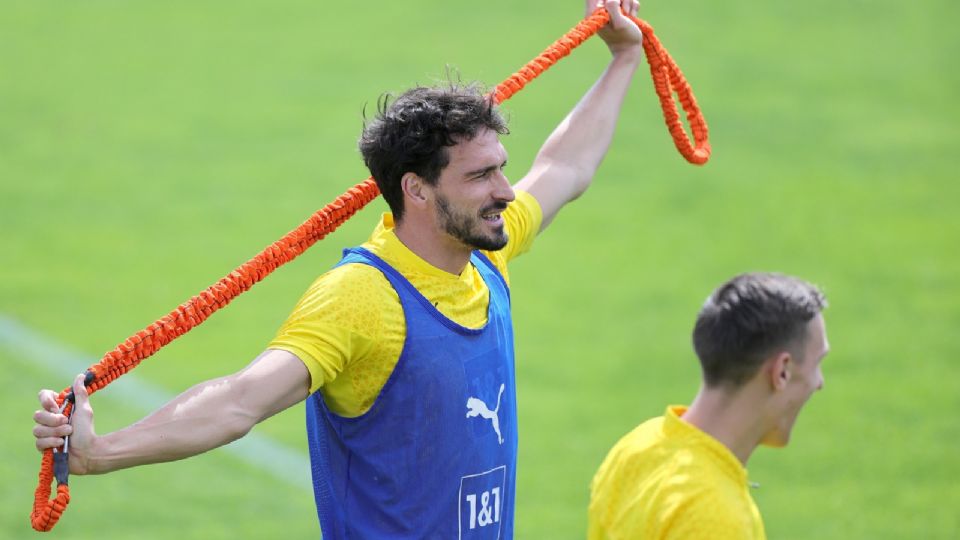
(565, 165)
(206, 416)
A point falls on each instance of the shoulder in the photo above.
(351, 291)
(349, 280)
(632, 458)
(698, 499)
(663, 487)
(525, 206)
(706, 514)
(522, 220)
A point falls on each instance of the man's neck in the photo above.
(733, 418)
(433, 246)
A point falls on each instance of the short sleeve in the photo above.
(523, 218)
(522, 223)
(337, 322)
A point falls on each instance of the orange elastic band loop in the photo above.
(667, 79)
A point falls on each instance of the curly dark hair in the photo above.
(412, 132)
(748, 318)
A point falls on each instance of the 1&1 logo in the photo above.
(481, 504)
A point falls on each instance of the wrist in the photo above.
(89, 459)
(627, 54)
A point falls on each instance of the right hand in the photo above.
(52, 426)
(621, 34)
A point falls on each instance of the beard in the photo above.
(467, 229)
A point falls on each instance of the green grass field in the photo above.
(148, 149)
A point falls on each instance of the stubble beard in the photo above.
(464, 227)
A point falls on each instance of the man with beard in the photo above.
(404, 350)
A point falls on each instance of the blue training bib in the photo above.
(435, 456)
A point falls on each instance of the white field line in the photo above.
(288, 465)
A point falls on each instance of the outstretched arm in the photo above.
(210, 414)
(565, 165)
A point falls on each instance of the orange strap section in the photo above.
(667, 79)
(47, 512)
(185, 317)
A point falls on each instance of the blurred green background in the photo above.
(147, 149)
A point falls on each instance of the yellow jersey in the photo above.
(348, 328)
(667, 479)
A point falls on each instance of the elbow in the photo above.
(580, 187)
(574, 177)
(580, 180)
(235, 423)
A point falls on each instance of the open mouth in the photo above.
(493, 216)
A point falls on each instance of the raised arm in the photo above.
(208, 415)
(565, 165)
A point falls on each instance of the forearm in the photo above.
(209, 415)
(201, 419)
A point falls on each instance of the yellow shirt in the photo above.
(348, 328)
(668, 479)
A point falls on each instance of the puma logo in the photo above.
(476, 407)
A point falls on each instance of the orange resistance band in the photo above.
(667, 79)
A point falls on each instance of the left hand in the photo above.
(621, 34)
